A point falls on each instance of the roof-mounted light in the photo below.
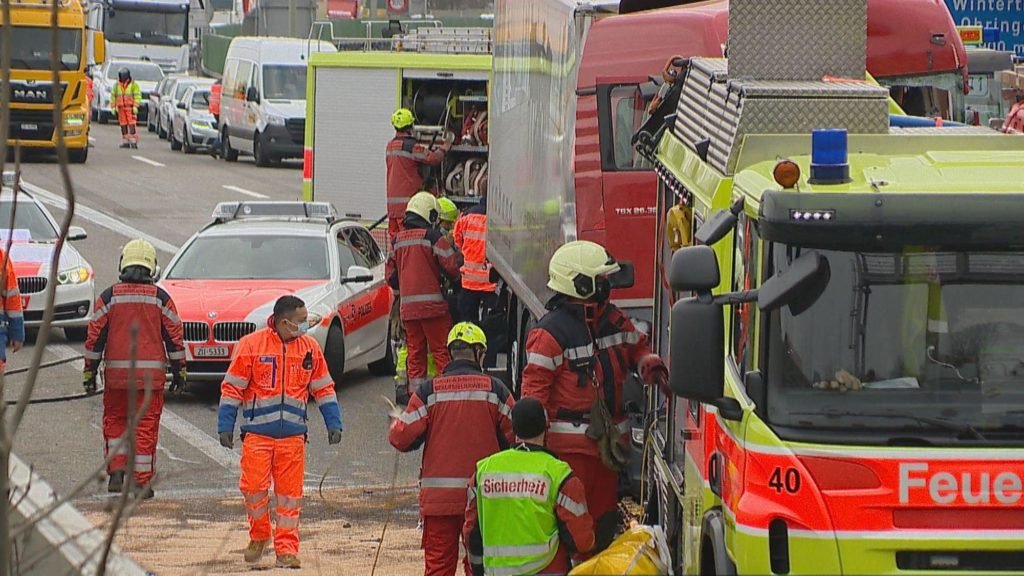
(828, 157)
(313, 210)
(786, 173)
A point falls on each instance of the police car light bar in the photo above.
(234, 210)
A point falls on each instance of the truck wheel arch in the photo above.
(713, 556)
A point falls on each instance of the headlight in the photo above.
(202, 125)
(74, 120)
(275, 120)
(77, 275)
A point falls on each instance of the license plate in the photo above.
(30, 126)
(210, 352)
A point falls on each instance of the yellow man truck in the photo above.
(845, 337)
(32, 91)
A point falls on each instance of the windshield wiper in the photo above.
(958, 427)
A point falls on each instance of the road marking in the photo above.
(91, 139)
(244, 191)
(148, 161)
(200, 440)
(97, 217)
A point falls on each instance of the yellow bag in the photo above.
(640, 550)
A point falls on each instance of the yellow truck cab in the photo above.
(845, 335)
(32, 122)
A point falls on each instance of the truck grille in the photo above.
(31, 284)
(232, 331)
(196, 331)
(296, 129)
(31, 124)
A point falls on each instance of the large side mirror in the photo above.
(799, 286)
(625, 277)
(99, 47)
(719, 225)
(252, 95)
(182, 106)
(697, 354)
(357, 274)
(76, 233)
(694, 268)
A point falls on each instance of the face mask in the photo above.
(300, 329)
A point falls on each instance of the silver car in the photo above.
(194, 127)
(170, 102)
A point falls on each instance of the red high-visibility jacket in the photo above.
(459, 418)
(419, 255)
(567, 367)
(470, 236)
(120, 309)
(404, 156)
(215, 92)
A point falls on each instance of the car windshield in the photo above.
(929, 333)
(180, 88)
(135, 27)
(141, 72)
(253, 257)
(281, 82)
(28, 216)
(30, 48)
(201, 100)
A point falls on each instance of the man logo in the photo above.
(29, 94)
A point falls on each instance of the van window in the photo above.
(242, 79)
(284, 82)
(230, 76)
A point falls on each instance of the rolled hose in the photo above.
(899, 121)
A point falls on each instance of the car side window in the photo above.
(347, 237)
(364, 243)
(346, 256)
(242, 77)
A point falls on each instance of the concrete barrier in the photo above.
(61, 542)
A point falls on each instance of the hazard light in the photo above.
(225, 211)
(829, 157)
(786, 173)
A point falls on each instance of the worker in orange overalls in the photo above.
(404, 157)
(125, 98)
(215, 98)
(136, 332)
(273, 372)
(12, 317)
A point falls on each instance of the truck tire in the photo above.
(78, 155)
(334, 353)
(227, 152)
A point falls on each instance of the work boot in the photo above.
(135, 145)
(125, 145)
(255, 550)
(288, 561)
(143, 492)
(116, 482)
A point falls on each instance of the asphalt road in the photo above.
(168, 196)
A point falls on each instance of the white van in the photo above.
(263, 103)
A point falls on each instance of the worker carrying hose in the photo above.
(578, 356)
(405, 156)
(125, 98)
(459, 418)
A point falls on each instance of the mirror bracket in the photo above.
(729, 408)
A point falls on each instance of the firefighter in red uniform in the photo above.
(578, 356)
(462, 407)
(420, 254)
(405, 156)
(273, 372)
(134, 309)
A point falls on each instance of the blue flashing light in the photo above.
(990, 35)
(829, 157)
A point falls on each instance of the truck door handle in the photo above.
(690, 435)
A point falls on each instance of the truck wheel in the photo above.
(229, 153)
(334, 352)
(78, 155)
(258, 153)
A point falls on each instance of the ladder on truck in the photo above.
(426, 36)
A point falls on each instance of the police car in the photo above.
(33, 238)
(226, 278)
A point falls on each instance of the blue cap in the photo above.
(829, 157)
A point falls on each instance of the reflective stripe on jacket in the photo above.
(459, 418)
(470, 235)
(419, 255)
(125, 95)
(566, 368)
(12, 327)
(523, 504)
(404, 155)
(271, 381)
(147, 310)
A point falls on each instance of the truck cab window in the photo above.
(745, 269)
(621, 112)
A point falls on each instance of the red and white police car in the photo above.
(226, 278)
(32, 238)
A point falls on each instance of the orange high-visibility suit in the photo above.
(125, 97)
(271, 380)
